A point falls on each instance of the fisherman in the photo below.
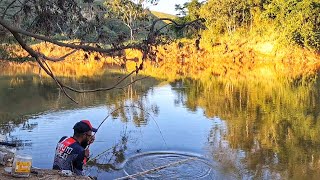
(73, 152)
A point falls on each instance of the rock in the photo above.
(6, 155)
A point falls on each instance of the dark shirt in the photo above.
(69, 155)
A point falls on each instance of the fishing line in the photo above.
(131, 106)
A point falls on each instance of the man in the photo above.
(72, 153)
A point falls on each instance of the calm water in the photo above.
(236, 131)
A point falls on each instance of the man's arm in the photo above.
(78, 164)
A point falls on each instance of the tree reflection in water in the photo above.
(138, 111)
(112, 158)
(23, 98)
(269, 129)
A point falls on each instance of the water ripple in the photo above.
(176, 165)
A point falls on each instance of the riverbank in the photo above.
(6, 164)
(231, 60)
(235, 60)
(42, 174)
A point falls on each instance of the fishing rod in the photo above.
(8, 144)
(104, 121)
(126, 106)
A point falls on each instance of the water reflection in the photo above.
(113, 157)
(271, 130)
(262, 131)
(25, 96)
(24, 100)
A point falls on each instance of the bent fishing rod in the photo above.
(132, 106)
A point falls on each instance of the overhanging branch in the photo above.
(144, 46)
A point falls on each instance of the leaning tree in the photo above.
(42, 20)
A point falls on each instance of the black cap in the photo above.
(84, 126)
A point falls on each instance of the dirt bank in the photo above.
(42, 174)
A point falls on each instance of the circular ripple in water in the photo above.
(190, 166)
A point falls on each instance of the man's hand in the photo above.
(87, 153)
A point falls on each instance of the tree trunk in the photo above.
(131, 34)
(131, 31)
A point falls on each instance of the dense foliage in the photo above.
(128, 12)
(293, 20)
(101, 21)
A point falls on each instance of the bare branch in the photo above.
(101, 89)
(48, 71)
(145, 46)
(175, 163)
(152, 32)
(132, 82)
(60, 84)
(36, 56)
(58, 59)
(73, 46)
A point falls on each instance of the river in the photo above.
(230, 130)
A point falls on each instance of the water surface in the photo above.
(238, 131)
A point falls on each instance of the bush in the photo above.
(295, 21)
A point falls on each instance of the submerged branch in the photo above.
(133, 176)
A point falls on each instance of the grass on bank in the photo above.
(232, 58)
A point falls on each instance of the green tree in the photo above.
(128, 12)
(295, 21)
(189, 11)
(226, 16)
(298, 20)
